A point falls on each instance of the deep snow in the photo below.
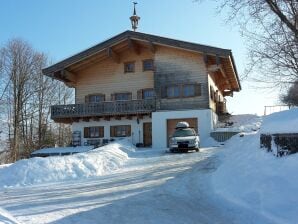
(60, 168)
(254, 179)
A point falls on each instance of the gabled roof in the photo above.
(137, 36)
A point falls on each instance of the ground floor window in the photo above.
(94, 132)
(120, 131)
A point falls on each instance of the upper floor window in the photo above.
(94, 132)
(96, 98)
(173, 91)
(121, 96)
(148, 65)
(188, 90)
(129, 67)
(120, 131)
(146, 94)
(181, 90)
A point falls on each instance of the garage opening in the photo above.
(171, 125)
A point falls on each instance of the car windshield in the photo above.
(184, 133)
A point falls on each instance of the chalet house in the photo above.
(139, 86)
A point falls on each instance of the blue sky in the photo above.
(61, 28)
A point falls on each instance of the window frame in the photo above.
(148, 89)
(129, 94)
(96, 95)
(127, 63)
(186, 85)
(90, 132)
(148, 69)
(173, 86)
(114, 131)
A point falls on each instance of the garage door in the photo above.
(171, 125)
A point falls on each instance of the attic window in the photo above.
(148, 65)
(129, 67)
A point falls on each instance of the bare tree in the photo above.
(26, 96)
(271, 31)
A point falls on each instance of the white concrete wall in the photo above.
(206, 121)
(136, 129)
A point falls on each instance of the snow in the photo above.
(63, 150)
(281, 122)
(7, 218)
(254, 179)
(240, 123)
(94, 163)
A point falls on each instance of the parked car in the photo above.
(184, 139)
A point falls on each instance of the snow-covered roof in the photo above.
(281, 122)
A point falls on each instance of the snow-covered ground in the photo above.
(234, 183)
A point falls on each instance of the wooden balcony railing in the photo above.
(112, 108)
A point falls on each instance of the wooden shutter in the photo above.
(128, 130)
(101, 132)
(87, 99)
(86, 132)
(113, 97)
(163, 92)
(198, 91)
(112, 131)
(140, 94)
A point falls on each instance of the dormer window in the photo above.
(148, 65)
(129, 67)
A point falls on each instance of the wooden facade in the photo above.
(101, 70)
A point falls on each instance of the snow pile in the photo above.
(282, 122)
(240, 123)
(7, 218)
(63, 150)
(256, 180)
(91, 164)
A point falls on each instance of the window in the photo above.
(94, 132)
(121, 96)
(148, 93)
(120, 131)
(188, 90)
(148, 65)
(173, 91)
(181, 91)
(96, 98)
(129, 67)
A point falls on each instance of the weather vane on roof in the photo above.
(134, 18)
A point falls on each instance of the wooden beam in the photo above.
(133, 46)
(86, 119)
(128, 117)
(96, 118)
(68, 76)
(118, 118)
(113, 55)
(213, 68)
(107, 118)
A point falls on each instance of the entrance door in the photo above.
(171, 125)
(147, 134)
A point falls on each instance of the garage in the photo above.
(171, 125)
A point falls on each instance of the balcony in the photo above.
(68, 113)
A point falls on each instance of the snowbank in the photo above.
(241, 123)
(282, 122)
(7, 218)
(253, 178)
(90, 164)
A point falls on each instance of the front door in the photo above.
(147, 134)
